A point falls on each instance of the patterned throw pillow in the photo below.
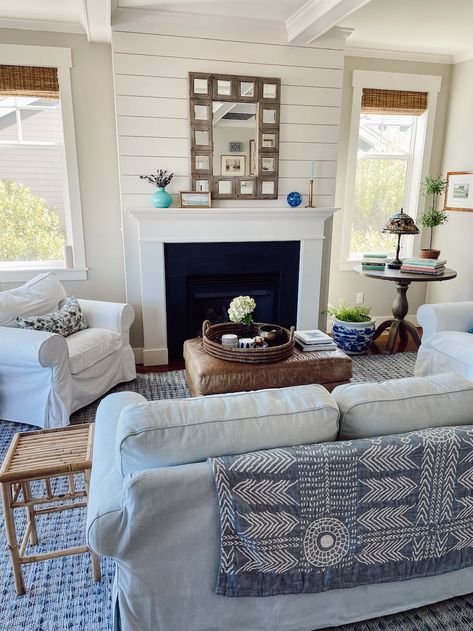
(66, 321)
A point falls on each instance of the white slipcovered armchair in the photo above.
(446, 344)
(44, 377)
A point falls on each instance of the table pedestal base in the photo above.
(398, 326)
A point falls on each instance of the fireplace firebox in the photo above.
(202, 279)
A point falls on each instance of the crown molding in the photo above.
(400, 55)
(465, 55)
(316, 17)
(42, 25)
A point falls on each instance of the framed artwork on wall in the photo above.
(233, 165)
(459, 191)
(195, 199)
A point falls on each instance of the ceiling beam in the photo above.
(96, 20)
(316, 17)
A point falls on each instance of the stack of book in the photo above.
(373, 261)
(314, 341)
(431, 267)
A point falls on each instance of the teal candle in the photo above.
(312, 170)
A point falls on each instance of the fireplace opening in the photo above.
(203, 278)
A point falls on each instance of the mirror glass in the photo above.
(267, 164)
(247, 88)
(201, 86)
(201, 137)
(202, 186)
(234, 138)
(200, 112)
(202, 163)
(268, 141)
(247, 187)
(225, 187)
(269, 116)
(224, 87)
(269, 91)
(267, 187)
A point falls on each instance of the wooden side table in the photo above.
(42, 456)
(398, 325)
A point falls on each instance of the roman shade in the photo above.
(393, 102)
(29, 81)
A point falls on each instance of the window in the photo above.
(389, 154)
(40, 211)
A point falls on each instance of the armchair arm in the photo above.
(105, 517)
(449, 316)
(27, 347)
(109, 315)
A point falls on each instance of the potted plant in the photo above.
(433, 217)
(353, 327)
(160, 198)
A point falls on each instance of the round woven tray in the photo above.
(212, 334)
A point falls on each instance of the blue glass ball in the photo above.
(294, 199)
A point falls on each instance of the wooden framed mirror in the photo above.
(234, 131)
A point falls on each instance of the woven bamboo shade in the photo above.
(393, 102)
(29, 81)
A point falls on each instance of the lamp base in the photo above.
(396, 264)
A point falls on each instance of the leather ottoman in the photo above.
(207, 375)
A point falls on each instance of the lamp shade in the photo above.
(401, 223)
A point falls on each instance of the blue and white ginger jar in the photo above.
(353, 338)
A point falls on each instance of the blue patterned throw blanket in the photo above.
(336, 515)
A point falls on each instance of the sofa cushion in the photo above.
(173, 432)
(67, 320)
(38, 296)
(87, 347)
(403, 405)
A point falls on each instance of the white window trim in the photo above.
(386, 81)
(60, 58)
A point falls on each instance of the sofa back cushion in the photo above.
(42, 294)
(174, 432)
(403, 405)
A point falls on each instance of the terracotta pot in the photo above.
(427, 253)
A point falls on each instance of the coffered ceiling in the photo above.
(435, 30)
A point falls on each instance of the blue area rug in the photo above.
(61, 593)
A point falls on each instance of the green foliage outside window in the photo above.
(29, 229)
(379, 193)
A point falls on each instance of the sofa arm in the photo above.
(449, 316)
(105, 518)
(109, 315)
(27, 347)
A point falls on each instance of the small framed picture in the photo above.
(195, 199)
(459, 191)
(233, 165)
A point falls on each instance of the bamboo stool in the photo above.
(42, 456)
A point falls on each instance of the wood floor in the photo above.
(377, 348)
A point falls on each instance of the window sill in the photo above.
(21, 275)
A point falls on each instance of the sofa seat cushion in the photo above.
(87, 347)
(42, 294)
(165, 433)
(404, 405)
(455, 344)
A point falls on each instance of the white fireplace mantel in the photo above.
(158, 226)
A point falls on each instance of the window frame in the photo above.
(421, 152)
(60, 58)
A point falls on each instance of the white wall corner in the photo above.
(316, 17)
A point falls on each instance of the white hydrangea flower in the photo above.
(241, 309)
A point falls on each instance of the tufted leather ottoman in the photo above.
(207, 375)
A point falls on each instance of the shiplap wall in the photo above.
(152, 57)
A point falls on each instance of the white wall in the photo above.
(152, 56)
(345, 284)
(92, 92)
(455, 238)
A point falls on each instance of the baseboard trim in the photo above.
(138, 355)
(155, 356)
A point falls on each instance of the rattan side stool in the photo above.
(43, 456)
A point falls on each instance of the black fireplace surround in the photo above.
(202, 279)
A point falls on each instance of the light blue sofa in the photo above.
(153, 507)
